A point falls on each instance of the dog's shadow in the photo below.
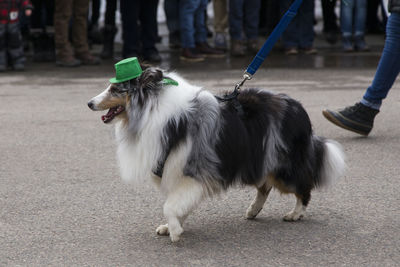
(268, 232)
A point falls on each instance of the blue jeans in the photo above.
(192, 24)
(300, 32)
(353, 11)
(389, 65)
(244, 16)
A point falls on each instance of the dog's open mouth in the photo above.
(112, 113)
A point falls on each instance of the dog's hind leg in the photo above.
(258, 202)
(180, 202)
(300, 209)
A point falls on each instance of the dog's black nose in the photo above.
(90, 104)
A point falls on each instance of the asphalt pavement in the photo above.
(62, 202)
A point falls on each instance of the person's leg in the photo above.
(388, 67)
(148, 22)
(290, 36)
(220, 15)
(200, 35)
(220, 23)
(95, 12)
(346, 23)
(251, 18)
(187, 13)
(360, 117)
(329, 16)
(62, 17)
(79, 33)
(373, 23)
(3, 48)
(236, 19)
(360, 15)
(109, 29)
(15, 47)
(171, 9)
(111, 8)
(79, 26)
(130, 32)
(306, 26)
(236, 27)
(251, 22)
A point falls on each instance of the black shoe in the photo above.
(174, 41)
(358, 118)
(152, 56)
(360, 44)
(206, 50)
(331, 37)
(19, 66)
(191, 55)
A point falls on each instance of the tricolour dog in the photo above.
(193, 146)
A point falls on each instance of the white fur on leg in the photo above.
(162, 229)
(180, 202)
(258, 203)
(297, 213)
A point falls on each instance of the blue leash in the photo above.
(267, 47)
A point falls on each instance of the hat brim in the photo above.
(115, 80)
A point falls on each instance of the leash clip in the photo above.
(246, 76)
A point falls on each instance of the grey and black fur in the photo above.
(211, 146)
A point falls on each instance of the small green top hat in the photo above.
(126, 70)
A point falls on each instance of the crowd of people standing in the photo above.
(236, 27)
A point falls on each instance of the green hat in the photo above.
(126, 70)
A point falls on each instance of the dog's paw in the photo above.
(293, 216)
(175, 238)
(175, 233)
(252, 212)
(162, 229)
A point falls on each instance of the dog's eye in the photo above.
(115, 89)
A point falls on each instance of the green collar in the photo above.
(169, 81)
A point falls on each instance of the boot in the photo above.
(357, 118)
(67, 61)
(191, 55)
(109, 32)
(237, 48)
(360, 43)
(206, 50)
(347, 44)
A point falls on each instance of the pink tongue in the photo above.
(109, 114)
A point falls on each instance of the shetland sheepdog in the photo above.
(191, 145)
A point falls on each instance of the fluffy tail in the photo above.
(333, 165)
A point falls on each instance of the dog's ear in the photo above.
(150, 77)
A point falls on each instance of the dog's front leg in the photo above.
(180, 202)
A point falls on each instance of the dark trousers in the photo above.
(95, 12)
(64, 11)
(111, 8)
(329, 15)
(300, 32)
(138, 40)
(11, 44)
(171, 9)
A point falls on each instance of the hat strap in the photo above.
(169, 81)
